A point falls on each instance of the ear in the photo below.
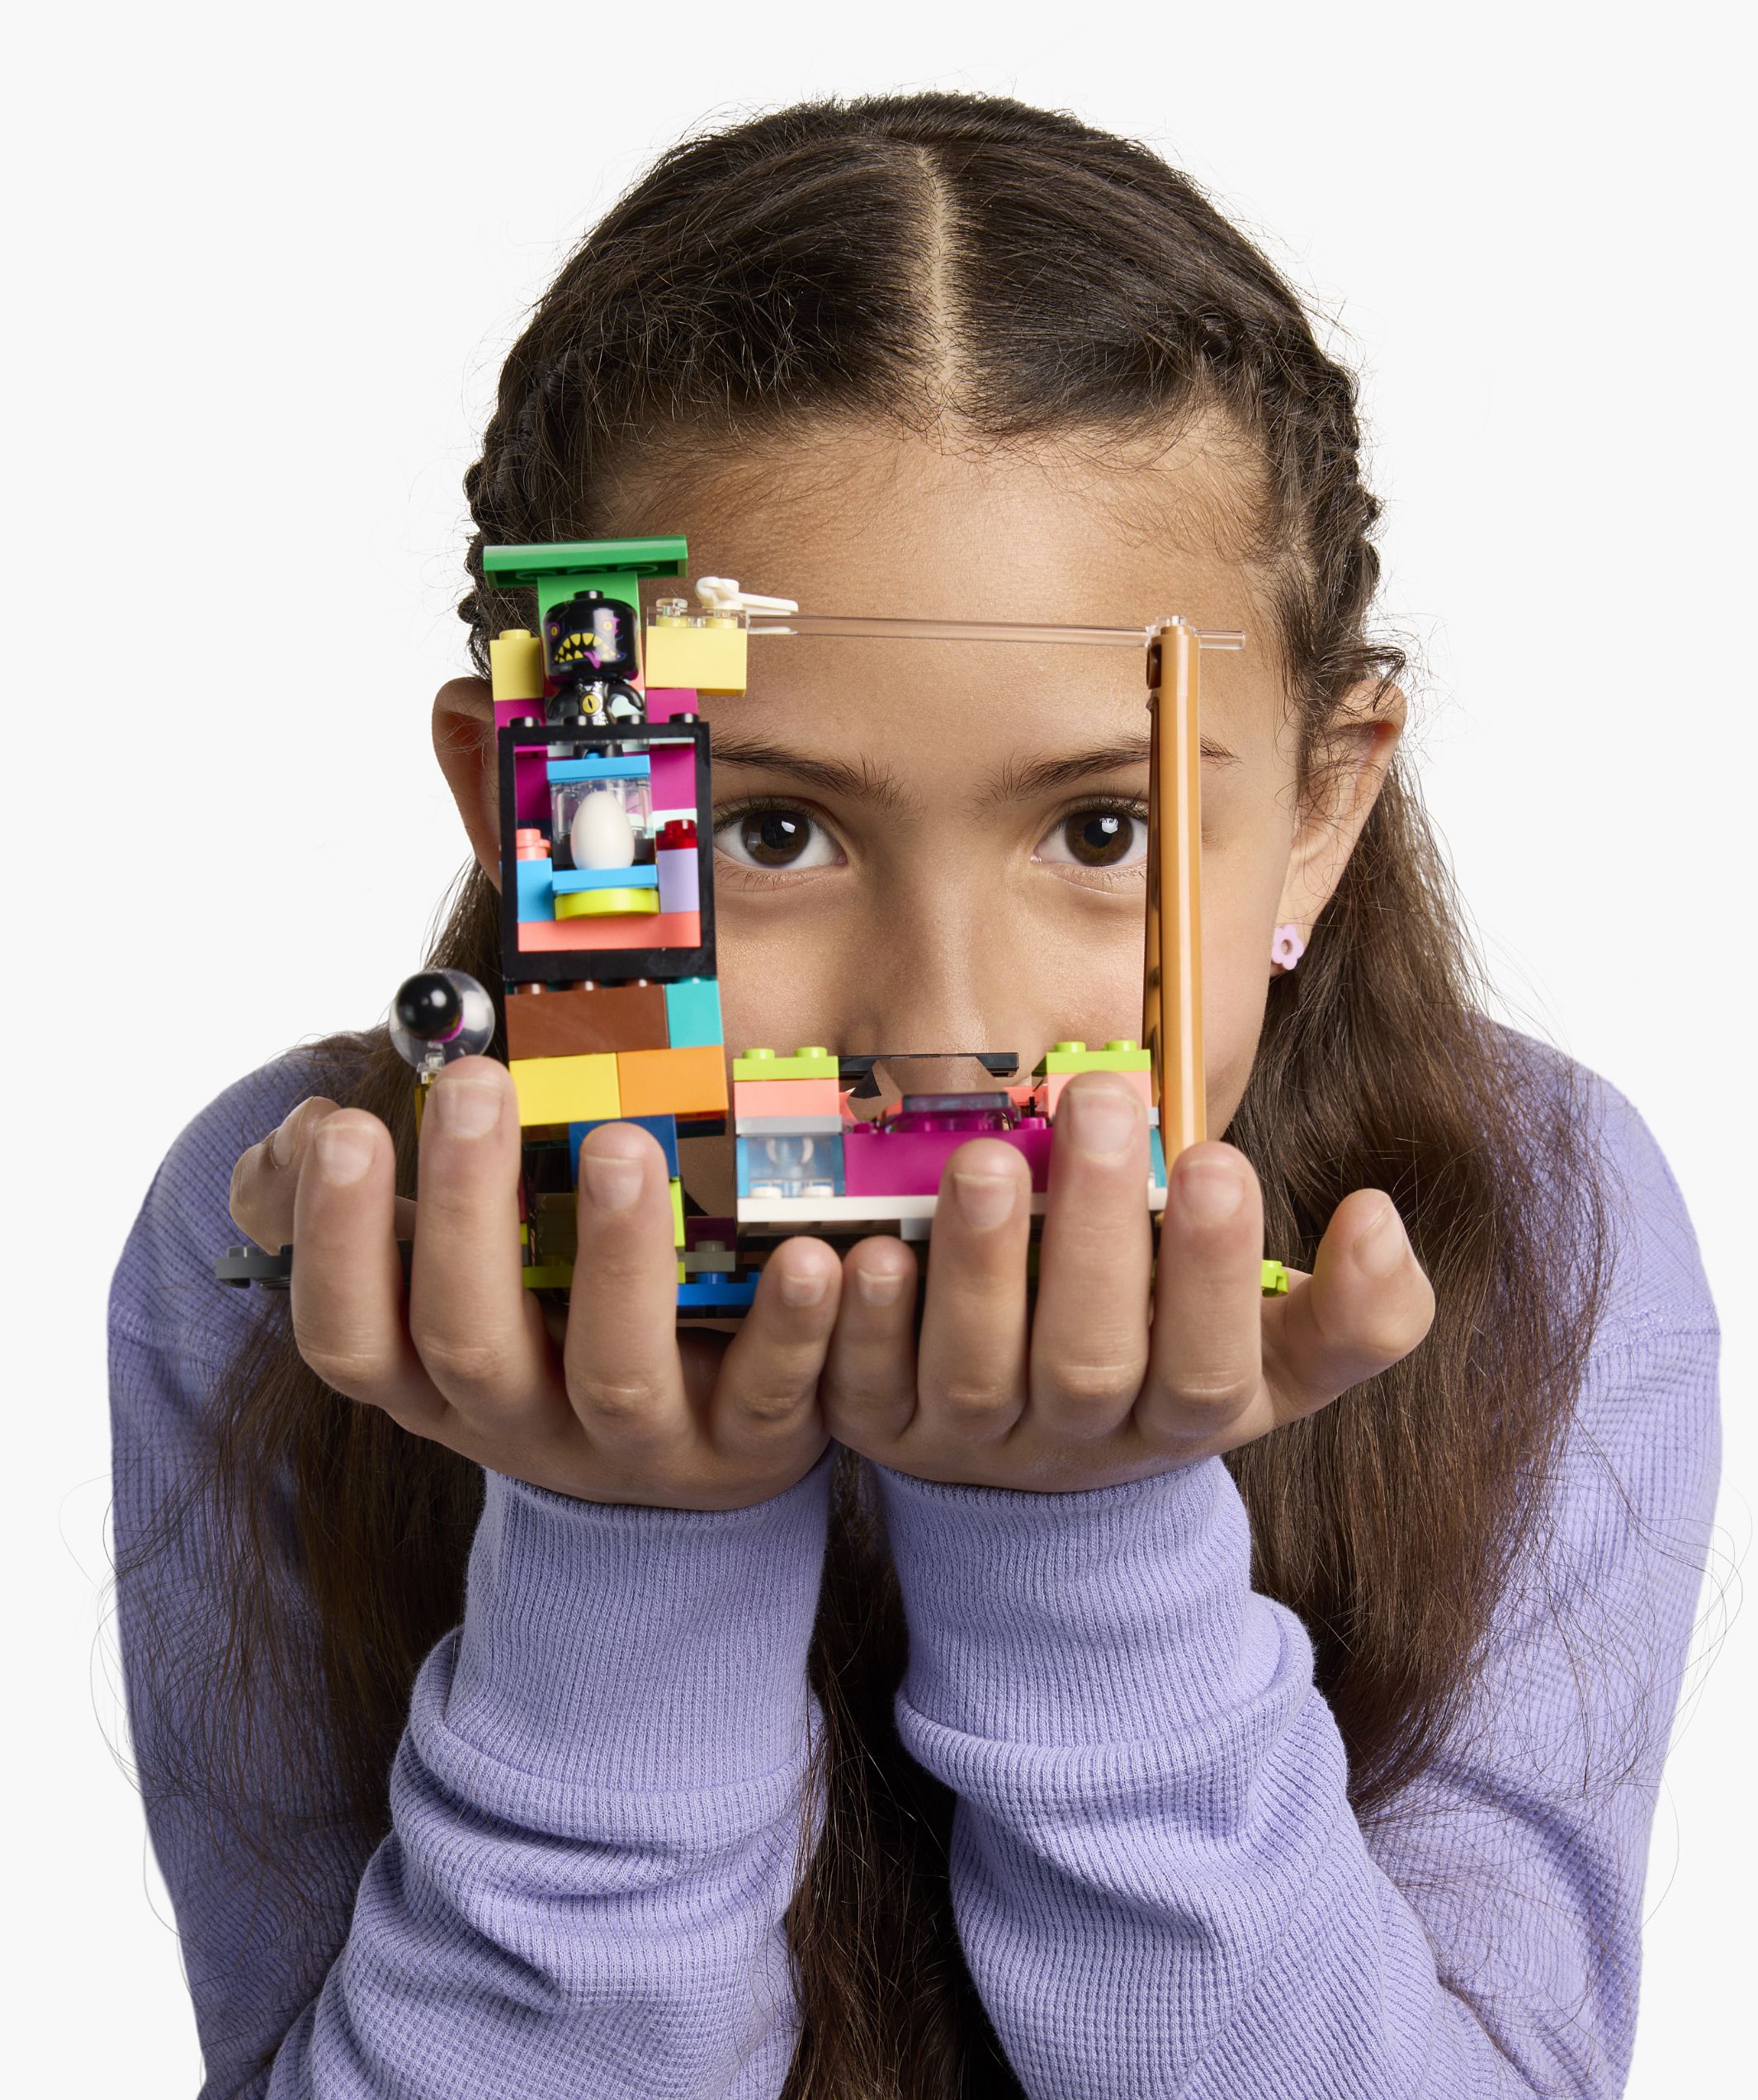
(464, 743)
(1358, 751)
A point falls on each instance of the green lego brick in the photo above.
(1275, 1280)
(815, 1061)
(612, 566)
(530, 564)
(1076, 1058)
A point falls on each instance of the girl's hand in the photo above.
(1089, 1393)
(626, 1410)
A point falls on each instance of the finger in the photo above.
(1366, 1306)
(346, 1292)
(1089, 1334)
(767, 1393)
(264, 1179)
(473, 1323)
(869, 1379)
(971, 1381)
(625, 1378)
(1205, 1364)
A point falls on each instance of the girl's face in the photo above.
(941, 846)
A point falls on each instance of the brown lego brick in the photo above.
(586, 1019)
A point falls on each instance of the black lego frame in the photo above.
(568, 966)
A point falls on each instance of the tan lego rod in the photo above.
(886, 629)
(1172, 966)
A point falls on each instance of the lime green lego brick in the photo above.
(1275, 1280)
(815, 1061)
(676, 1213)
(1121, 1055)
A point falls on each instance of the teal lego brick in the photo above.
(537, 891)
(639, 876)
(562, 770)
(692, 1013)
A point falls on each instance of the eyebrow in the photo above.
(1020, 781)
(863, 782)
(1017, 780)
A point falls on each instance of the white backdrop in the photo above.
(267, 262)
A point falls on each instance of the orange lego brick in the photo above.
(683, 1082)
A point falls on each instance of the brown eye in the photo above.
(777, 838)
(1100, 838)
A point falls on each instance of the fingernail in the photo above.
(281, 1139)
(1381, 1248)
(1211, 1192)
(1105, 1119)
(343, 1152)
(985, 1199)
(803, 1286)
(879, 1286)
(467, 1108)
(613, 1184)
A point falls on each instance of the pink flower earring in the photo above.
(1287, 948)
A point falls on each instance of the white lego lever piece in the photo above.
(722, 594)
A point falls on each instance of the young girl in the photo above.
(1156, 1690)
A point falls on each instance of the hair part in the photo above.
(977, 272)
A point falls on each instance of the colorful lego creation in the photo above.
(610, 1004)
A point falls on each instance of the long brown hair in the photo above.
(885, 258)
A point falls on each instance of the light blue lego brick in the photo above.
(537, 892)
(692, 1013)
(665, 1127)
(1156, 1157)
(794, 1175)
(561, 771)
(633, 878)
(715, 1295)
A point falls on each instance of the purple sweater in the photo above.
(1159, 1884)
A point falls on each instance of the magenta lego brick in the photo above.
(530, 786)
(665, 701)
(674, 778)
(909, 1163)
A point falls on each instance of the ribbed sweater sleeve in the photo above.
(1159, 1883)
(597, 1805)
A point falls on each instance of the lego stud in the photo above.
(1287, 948)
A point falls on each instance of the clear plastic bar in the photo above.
(885, 629)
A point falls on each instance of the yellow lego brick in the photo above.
(567, 1089)
(516, 665)
(710, 659)
(678, 1219)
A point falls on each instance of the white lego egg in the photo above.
(600, 835)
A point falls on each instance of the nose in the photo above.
(951, 970)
